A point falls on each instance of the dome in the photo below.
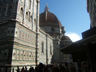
(49, 19)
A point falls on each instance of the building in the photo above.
(19, 28)
(23, 41)
(51, 25)
(83, 51)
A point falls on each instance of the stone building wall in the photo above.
(18, 34)
(20, 42)
(26, 13)
(8, 10)
(45, 47)
(17, 44)
(6, 42)
(18, 37)
(50, 49)
(24, 46)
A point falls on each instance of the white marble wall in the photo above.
(24, 46)
(26, 13)
(48, 44)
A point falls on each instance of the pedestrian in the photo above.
(40, 68)
(25, 70)
(18, 69)
(31, 69)
(22, 70)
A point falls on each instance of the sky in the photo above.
(72, 14)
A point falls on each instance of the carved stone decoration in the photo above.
(26, 35)
(18, 53)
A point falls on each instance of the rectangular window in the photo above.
(6, 10)
(50, 50)
(42, 45)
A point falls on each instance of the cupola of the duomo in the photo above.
(50, 23)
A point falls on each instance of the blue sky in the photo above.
(71, 13)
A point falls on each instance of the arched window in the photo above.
(28, 15)
(42, 47)
(21, 11)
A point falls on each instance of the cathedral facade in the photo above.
(25, 41)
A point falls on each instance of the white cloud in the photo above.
(73, 36)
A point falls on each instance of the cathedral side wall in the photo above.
(45, 43)
(24, 46)
(50, 49)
